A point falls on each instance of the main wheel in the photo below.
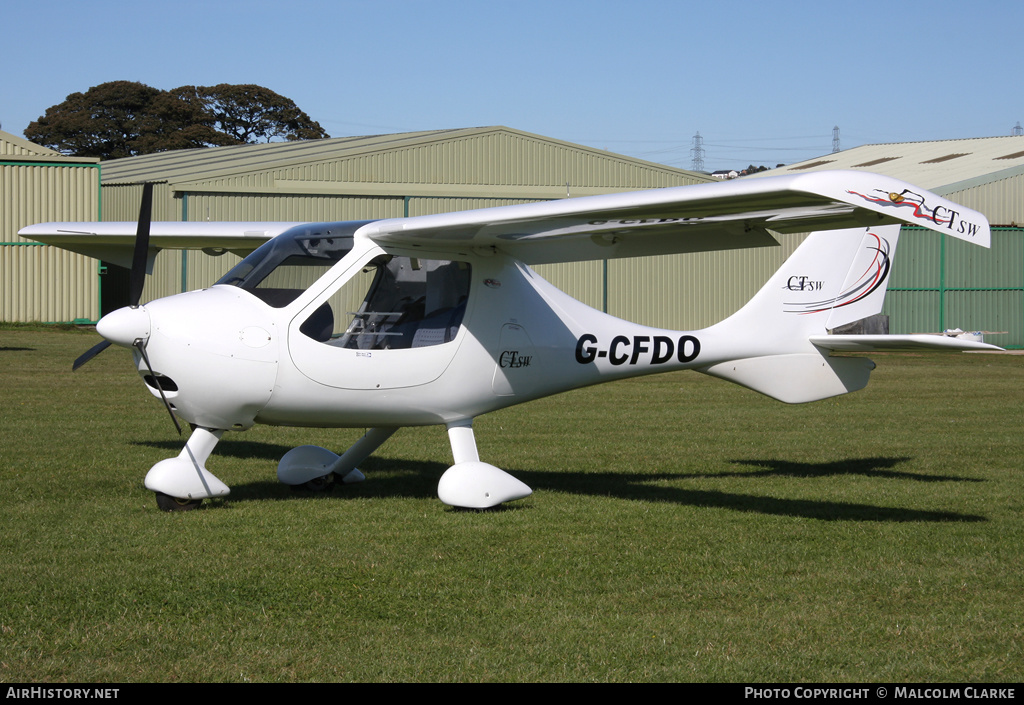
(176, 504)
(317, 484)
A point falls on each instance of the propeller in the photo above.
(136, 281)
(90, 354)
(137, 278)
(138, 274)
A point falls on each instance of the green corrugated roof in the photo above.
(931, 165)
(218, 162)
(14, 148)
(214, 162)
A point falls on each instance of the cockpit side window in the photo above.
(395, 303)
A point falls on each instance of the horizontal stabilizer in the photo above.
(896, 343)
(796, 378)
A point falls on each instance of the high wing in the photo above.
(114, 241)
(700, 218)
(705, 217)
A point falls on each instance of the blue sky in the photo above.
(762, 82)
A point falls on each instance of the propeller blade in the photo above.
(137, 277)
(156, 380)
(90, 354)
(141, 253)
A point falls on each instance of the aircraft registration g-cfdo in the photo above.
(438, 319)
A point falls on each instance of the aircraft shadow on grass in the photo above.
(868, 467)
(418, 479)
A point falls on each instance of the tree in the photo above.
(104, 122)
(252, 113)
(178, 121)
(125, 118)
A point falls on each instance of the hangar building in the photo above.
(38, 282)
(354, 178)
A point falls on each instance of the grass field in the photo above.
(681, 529)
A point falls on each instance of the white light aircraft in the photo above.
(438, 319)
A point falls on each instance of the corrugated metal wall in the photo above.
(31, 192)
(584, 281)
(691, 291)
(442, 204)
(494, 157)
(1002, 201)
(37, 282)
(939, 283)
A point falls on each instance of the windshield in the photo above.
(284, 267)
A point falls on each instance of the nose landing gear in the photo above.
(182, 483)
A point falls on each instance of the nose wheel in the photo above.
(168, 503)
(181, 483)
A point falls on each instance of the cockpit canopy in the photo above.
(284, 267)
(393, 302)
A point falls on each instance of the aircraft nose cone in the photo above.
(125, 325)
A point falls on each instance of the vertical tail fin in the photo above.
(833, 278)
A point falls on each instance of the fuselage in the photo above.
(390, 338)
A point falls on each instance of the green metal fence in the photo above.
(939, 283)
